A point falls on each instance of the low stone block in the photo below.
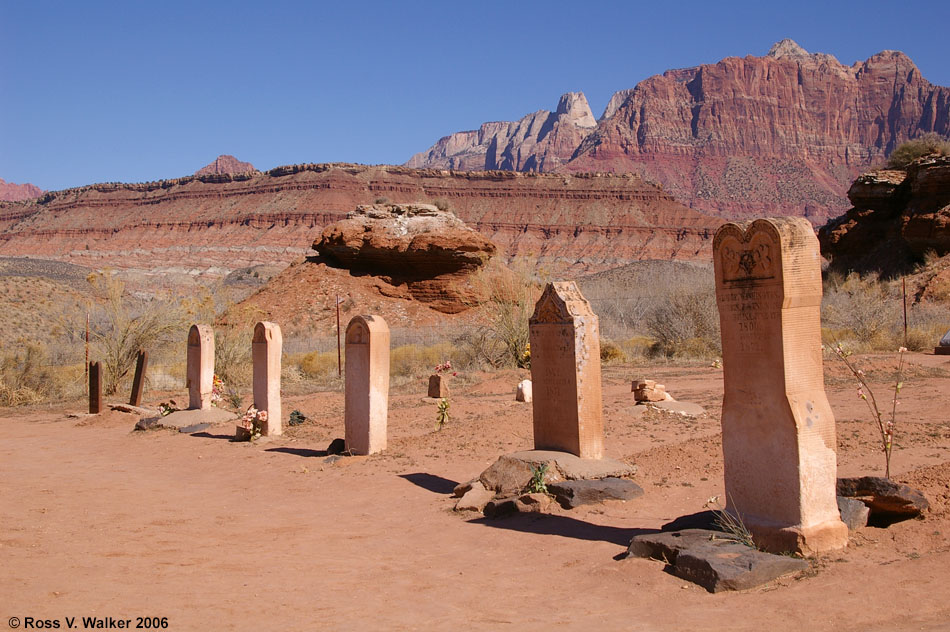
(184, 418)
(571, 494)
(713, 560)
(884, 496)
(475, 498)
(854, 513)
(438, 386)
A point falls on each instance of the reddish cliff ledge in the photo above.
(897, 217)
(210, 225)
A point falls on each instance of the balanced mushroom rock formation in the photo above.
(430, 251)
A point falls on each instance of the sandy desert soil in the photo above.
(98, 520)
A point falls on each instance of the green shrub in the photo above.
(909, 151)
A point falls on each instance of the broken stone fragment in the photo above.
(883, 496)
(475, 498)
(854, 513)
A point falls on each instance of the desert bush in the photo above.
(317, 365)
(442, 204)
(911, 150)
(510, 296)
(478, 347)
(865, 314)
(686, 324)
(26, 377)
(414, 360)
(637, 347)
(861, 308)
(123, 325)
(611, 352)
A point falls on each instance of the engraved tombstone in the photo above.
(367, 384)
(200, 366)
(778, 431)
(266, 347)
(565, 373)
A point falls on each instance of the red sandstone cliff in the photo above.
(783, 134)
(210, 225)
(12, 192)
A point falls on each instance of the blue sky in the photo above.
(134, 91)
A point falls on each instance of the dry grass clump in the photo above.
(866, 314)
(26, 377)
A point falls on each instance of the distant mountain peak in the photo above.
(225, 163)
(576, 109)
(12, 192)
(787, 49)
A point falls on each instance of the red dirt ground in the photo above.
(214, 535)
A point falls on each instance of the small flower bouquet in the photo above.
(252, 424)
(217, 388)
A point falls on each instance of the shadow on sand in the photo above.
(304, 452)
(431, 482)
(564, 526)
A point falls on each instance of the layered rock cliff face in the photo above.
(897, 217)
(783, 134)
(12, 192)
(207, 226)
(542, 141)
(416, 248)
(225, 164)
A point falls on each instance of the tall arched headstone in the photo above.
(266, 348)
(778, 431)
(200, 366)
(367, 384)
(565, 373)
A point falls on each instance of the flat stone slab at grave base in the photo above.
(884, 497)
(571, 494)
(511, 473)
(686, 409)
(713, 560)
(184, 418)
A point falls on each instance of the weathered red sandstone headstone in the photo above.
(95, 388)
(266, 348)
(200, 366)
(778, 431)
(565, 373)
(367, 384)
(138, 382)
